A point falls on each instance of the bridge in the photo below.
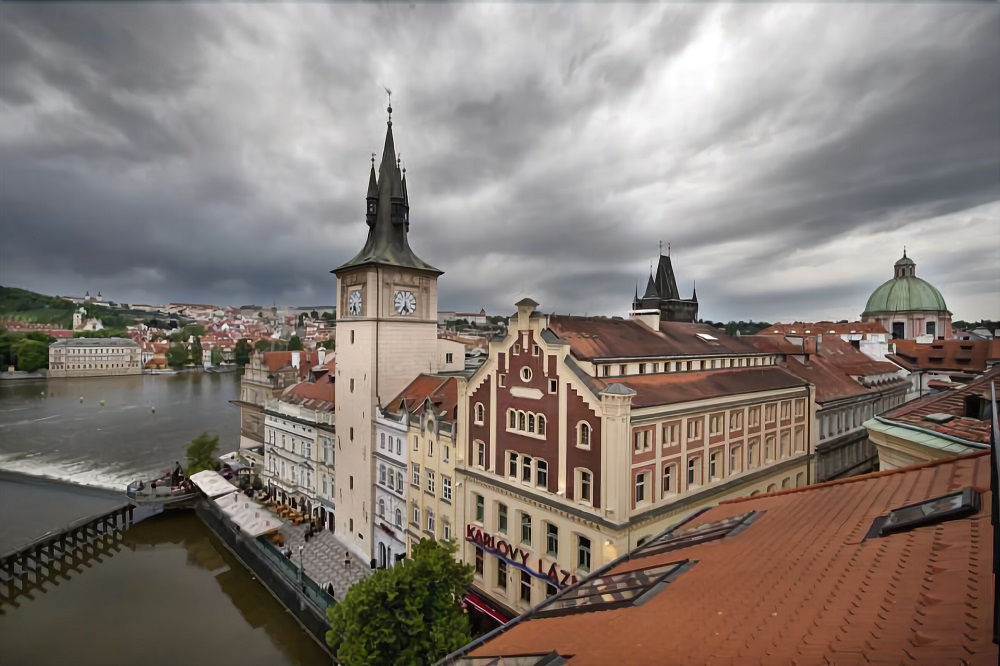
(60, 554)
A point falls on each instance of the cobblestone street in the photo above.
(324, 559)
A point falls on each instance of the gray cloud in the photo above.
(220, 153)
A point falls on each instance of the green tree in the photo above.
(177, 355)
(328, 316)
(197, 355)
(241, 352)
(31, 355)
(202, 453)
(216, 356)
(408, 614)
(294, 343)
(328, 344)
(262, 345)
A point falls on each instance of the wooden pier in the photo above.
(57, 555)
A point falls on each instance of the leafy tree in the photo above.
(241, 352)
(31, 355)
(177, 355)
(328, 344)
(193, 329)
(202, 453)
(294, 343)
(196, 352)
(216, 356)
(328, 316)
(262, 345)
(409, 614)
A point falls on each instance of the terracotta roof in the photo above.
(825, 327)
(603, 337)
(669, 388)
(801, 584)
(442, 392)
(962, 355)
(832, 369)
(319, 396)
(277, 360)
(952, 403)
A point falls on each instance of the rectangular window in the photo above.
(381, 474)
(622, 369)
(641, 442)
(769, 412)
(606, 370)
(501, 574)
(585, 484)
(640, 487)
(670, 434)
(551, 539)
(430, 481)
(642, 368)
(734, 460)
(736, 420)
(416, 515)
(446, 487)
(714, 424)
(786, 409)
(694, 429)
(668, 479)
(446, 530)
(526, 469)
(416, 443)
(502, 380)
(512, 464)
(693, 472)
(430, 521)
(446, 453)
(479, 561)
(800, 407)
(448, 358)
(541, 474)
(430, 448)
(713, 466)
(553, 386)
(416, 474)
(525, 586)
(399, 482)
(481, 454)
(526, 529)
(502, 518)
(754, 416)
(583, 553)
(480, 508)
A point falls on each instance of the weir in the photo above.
(57, 555)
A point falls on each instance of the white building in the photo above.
(94, 357)
(391, 487)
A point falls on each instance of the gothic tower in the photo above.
(386, 335)
(662, 294)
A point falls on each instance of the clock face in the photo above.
(405, 303)
(354, 303)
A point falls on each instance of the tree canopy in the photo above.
(31, 355)
(177, 355)
(216, 356)
(408, 614)
(294, 343)
(202, 452)
(197, 354)
(241, 352)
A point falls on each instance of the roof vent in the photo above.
(939, 418)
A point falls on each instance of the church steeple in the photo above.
(388, 220)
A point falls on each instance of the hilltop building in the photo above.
(662, 295)
(908, 307)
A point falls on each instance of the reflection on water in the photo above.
(171, 595)
(144, 424)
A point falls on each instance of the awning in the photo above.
(252, 519)
(212, 484)
(484, 607)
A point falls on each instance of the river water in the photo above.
(172, 593)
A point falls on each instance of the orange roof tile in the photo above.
(802, 585)
(953, 403)
(320, 396)
(962, 355)
(825, 328)
(603, 337)
(669, 388)
(442, 392)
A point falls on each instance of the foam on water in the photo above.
(81, 473)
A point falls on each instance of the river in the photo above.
(172, 593)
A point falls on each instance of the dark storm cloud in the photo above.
(219, 153)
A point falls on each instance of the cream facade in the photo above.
(94, 357)
(391, 488)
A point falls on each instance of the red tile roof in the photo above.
(831, 370)
(603, 337)
(825, 327)
(442, 392)
(670, 388)
(961, 355)
(953, 403)
(319, 396)
(802, 585)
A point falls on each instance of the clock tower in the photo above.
(386, 336)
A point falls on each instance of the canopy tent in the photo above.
(211, 483)
(253, 519)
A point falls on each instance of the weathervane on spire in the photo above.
(389, 93)
(661, 248)
(373, 160)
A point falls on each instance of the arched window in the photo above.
(399, 518)
(541, 424)
(531, 423)
(512, 418)
(480, 412)
(583, 435)
(381, 508)
(521, 421)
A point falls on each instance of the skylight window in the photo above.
(952, 506)
(706, 336)
(629, 588)
(696, 535)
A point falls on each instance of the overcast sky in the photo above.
(219, 153)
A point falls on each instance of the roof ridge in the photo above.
(862, 477)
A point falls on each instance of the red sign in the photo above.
(519, 557)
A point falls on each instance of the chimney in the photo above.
(320, 355)
(649, 318)
(295, 359)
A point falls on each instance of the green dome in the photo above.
(904, 294)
